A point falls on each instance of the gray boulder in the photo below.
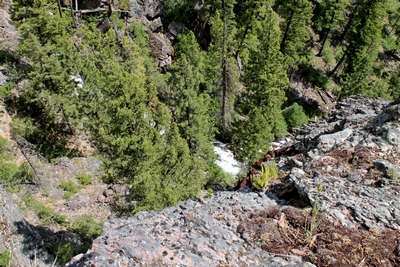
(387, 168)
(330, 141)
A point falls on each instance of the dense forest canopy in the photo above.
(234, 62)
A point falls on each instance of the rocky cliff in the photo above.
(353, 154)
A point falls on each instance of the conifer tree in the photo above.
(296, 16)
(221, 61)
(188, 102)
(265, 81)
(329, 16)
(364, 39)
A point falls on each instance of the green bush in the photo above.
(268, 171)
(295, 116)
(84, 179)
(5, 90)
(25, 173)
(64, 252)
(5, 259)
(217, 177)
(23, 128)
(86, 227)
(46, 215)
(280, 127)
(83, 225)
(70, 187)
(7, 172)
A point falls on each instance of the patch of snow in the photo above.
(226, 159)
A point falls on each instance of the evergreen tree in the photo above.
(50, 98)
(265, 81)
(391, 31)
(296, 16)
(329, 16)
(221, 61)
(364, 39)
(188, 102)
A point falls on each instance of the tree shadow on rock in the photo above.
(32, 243)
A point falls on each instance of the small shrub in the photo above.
(70, 187)
(23, 128)
(5, 90)
(86, 227)
(46, 214)
(3, 143)
(84, 179)
(25, 173)
(7, 172)
(64, 252)
(268, 171)
(295, 116)
(311, 228)
(5, 259)
(217, 177)
(280, 127)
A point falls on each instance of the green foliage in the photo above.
(46, 214)
(84, 179)
(5, 90)
(296, 16)
(252, 137)
(268, 171)
(64, 252)
(25, 173)
(328, 55)
(311, 227)
(265, 81)
(178, 11)
(185, 97)
(10, 173)
(217, 177)
(295, 116)
(5, 258)
(86, 226)
(70, 187)
(83, 225)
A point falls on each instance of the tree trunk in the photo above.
(338, 65)
(224, 73)
(347, 27)
(286, 32)
(328, 30)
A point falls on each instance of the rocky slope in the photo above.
(353, 154)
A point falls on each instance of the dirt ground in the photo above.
(283, 230)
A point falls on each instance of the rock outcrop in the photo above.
(353, 154)
(150, 12)
(193, 233)
(19, 238)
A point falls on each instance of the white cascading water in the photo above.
(226, 159)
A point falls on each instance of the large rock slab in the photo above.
(192, 233)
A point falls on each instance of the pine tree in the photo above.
(364, 39)
(188, 102)
(51, 94)
(221, 61)
(296, 16)
(329, 17)
(265, 81)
